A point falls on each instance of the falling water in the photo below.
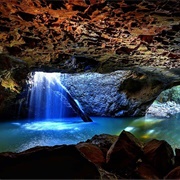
(47, 98)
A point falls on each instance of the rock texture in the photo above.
(100, 35)
(120, 93)
(13, 75)
(139, 37)
(116, 94)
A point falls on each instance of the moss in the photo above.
(9, 83)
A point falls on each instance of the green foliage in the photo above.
(172, 94)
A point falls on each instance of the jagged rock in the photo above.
(101, 36)
(159, 154)
(39, 31)
(125, 92)
(124, 153)
(92, 152)
(58, 162)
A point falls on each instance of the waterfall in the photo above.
(49, 99)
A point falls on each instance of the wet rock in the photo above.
(159, 154)
(58, 162)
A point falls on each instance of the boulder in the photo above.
(145, 171)
(173, 174)
(125, 92)
(103, 141)
(58, 162)
(124, 153)
(92, 153)
(159, 154)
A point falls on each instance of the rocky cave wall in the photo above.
(120, 93)
(140, 38)
(110, 34)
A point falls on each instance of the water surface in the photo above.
(17, 136)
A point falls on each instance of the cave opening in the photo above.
(49, 130)
(167, 104)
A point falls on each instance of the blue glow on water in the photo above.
(17, 136)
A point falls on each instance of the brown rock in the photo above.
(160, 155)
(61, 162)
(174, 174)
(146, 171)
(92, 153)
(103, 141)
(124, 152)
(107, 175)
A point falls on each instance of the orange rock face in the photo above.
(114, 33)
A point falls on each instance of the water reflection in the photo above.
(21, 135)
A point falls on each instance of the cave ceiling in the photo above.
(98, 35)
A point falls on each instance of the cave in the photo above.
(89, 89)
